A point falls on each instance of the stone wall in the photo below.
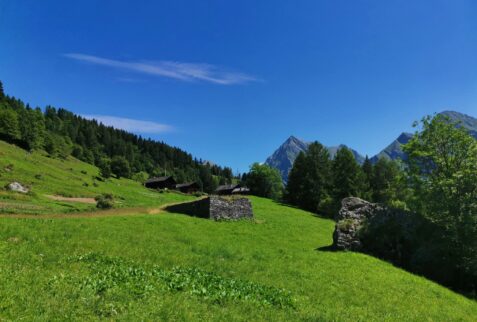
(229, 208)
(216, 208)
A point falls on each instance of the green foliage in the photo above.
(57, 146)
(65, 178)
(120, 167)
(104, 201)
(443, 174)
(32, 128)
(367, 171)
(207, 180)
(140, 177)
(309, 181)
(62, 133)
(9, 126)
(109, 273)
(347, 176)
(105, 168)
(264, 181)
(386, 181)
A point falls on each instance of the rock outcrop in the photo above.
(373, 228)
(17, 187)
(350, 218)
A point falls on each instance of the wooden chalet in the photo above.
(167, 182)
(188, 187)
(232, 189)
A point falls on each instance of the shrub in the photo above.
(104, 201)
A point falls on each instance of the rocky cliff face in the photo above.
(283, 158)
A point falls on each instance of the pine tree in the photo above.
(294, 187)
(384, 182)
(367, 175)
(2, 93)
(309, 180)
(346, 176)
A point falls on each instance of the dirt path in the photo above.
(134, 211)
(82, 200)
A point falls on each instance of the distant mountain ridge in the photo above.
(466, 121)
(394, 150)
(283, 158)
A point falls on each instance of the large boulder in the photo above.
(350, 218)
(17, 187)
(374, 228)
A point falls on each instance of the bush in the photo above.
(120, 167)
(104, 201)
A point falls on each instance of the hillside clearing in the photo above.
(66, 186)
(72, 199)
(278, 250)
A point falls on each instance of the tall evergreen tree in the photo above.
(2, 93)
(367, 173)
(384, 181)
(294, 188)
(205, 176)
(310, 178)
(347, 177)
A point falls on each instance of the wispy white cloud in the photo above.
(131, 125)
(171, 69)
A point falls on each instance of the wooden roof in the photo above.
(187, 184)
(227, 187)
(159, 179)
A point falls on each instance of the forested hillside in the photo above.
(62, 133)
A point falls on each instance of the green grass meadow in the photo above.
(173, 267)
(68, 178)
(38, 279)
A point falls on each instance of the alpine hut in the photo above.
(167, 182)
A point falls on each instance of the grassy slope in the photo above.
(70, 178)
(278, 249)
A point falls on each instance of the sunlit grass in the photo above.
(277, 250)
(69, 178)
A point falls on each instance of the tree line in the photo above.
(436, 187)
(62, 133)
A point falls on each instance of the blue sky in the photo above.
(229, 81)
